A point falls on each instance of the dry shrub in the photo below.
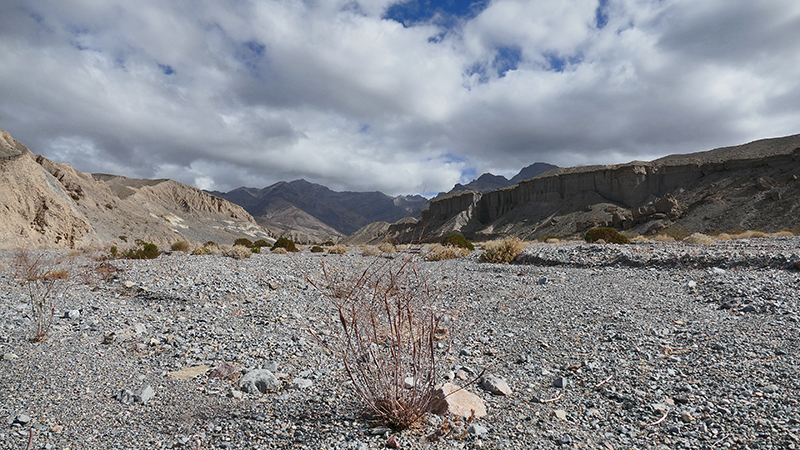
(388, 323)
(280, 251)
(181, 246)
(783, 233)
(502, 251)
(699, 239)
(723, 237)
(237, 252)
(370, 250)
(438, 252)
(639, 238)
(387, 247)
(46, 282)
(552, 240)
(663, 238)
(337, 249)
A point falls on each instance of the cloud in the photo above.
(402, 97)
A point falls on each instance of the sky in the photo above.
(403, 97)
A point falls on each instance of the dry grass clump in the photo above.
(337, 249)
(389, 321)
(370, 250)
(606, 235)
(237, 252)
(438, 252)
(387, 247)
(699, 239)
(181, 246)
(663, 238)
(783, 233)
(502, 250)
(638, 238)
(280, 251)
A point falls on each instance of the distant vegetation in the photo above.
(607, 235)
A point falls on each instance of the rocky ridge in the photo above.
(752, 186)
(50, 204)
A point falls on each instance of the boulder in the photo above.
(452, 399)
(259, 381)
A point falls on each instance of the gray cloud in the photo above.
(224, 94)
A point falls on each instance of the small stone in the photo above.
(392, 442)
(144, 395)
(259, 381)
(9, 356)
(56, 429)
(691, 284)
(124, 396)
(560, 414)
(686, 417)
(109, 338)
(301, 383)
(22, 419)
(225, 371)
(565, 440)
(139, 328)
(189, 372)
(235, 393)
(457, 401)
(72, 314)
(462, 375)
(378, 431)
(495, 384)
(749, 309)
(542, 281)
(770, 389)
(129, 284)
(560, 382)
(409, 382)
(477, 430)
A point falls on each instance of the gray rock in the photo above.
(22, 419)
(301, 383)
(124, 396)
(9, 356)
(477, 430)
(259, 381)
(770, 389)
(72, 314)
(560, 382)
(144, 395)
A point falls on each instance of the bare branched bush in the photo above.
(388, 322)
(46, 283)
(438, 252)
(502, 251)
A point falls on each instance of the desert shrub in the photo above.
(328, 243)
(370, 250)
(244, 242)
(285, 243)
(548, 238)
(389, 323)
(663, 238)
(237, 252)
(638, 238)
(211, 244)
(145, 250)
(114, 251)
(438, 252)
(181, 246)
(123, 238)
(255, 250)
(45, 282)
(387, 247)
(457, 240)
(783, 233)
(280, 251)
(699, 239)
(607, 234)
(723, 237)
(338, 249)
(502, 251)
(753, 234)
(261, 243)
(676, 231)
(317, 249)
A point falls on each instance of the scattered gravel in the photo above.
(648, 346)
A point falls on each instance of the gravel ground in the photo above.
(651, 345)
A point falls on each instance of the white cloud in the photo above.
(224, 94)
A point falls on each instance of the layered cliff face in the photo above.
(753, 186)
(50, 204)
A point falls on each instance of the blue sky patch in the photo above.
(601, 14)
(507, 58)
(447, 12)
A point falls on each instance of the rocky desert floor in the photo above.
(644, 346)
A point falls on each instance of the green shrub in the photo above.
(457, 240)
(285, 243)
(114, 251)
(181, 246)
(317, 249)
(606, 234)
(244, 242)
(255, 250)
(145, 251)
(260, 243)
(502, 251)
(211, 244)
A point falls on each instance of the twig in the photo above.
(659, 420)
(30, 440)
(604, 381)
(724, 436)
(553, 399)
